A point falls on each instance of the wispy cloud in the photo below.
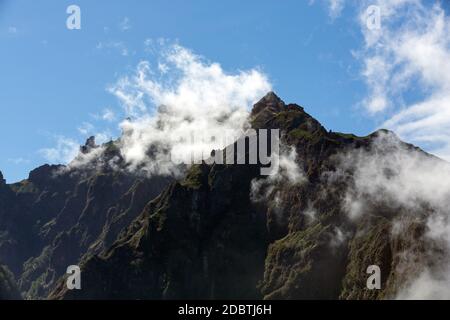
(66, 150)
(406, 67)
(117, 46)
(125, 25)
(188, 96)
(407, 71)
(108, 115)
(335, 7)
(85, 128)
(407, 182)
(12, 30)
(19, 160)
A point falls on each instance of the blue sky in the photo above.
(53, 81)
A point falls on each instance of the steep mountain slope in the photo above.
(224, 231)
(59, 214)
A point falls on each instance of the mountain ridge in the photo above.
(221, 231)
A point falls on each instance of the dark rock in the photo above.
(270, 102)
(89, 145)
(8, 286)
(2, 180)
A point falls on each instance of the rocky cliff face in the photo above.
(222, 231)
(59, 214)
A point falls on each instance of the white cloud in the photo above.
(85, 128)
(124, 25)
(426, 286)
(117, 46)
(406, 66)
(410, 53)
(91, 160)
(335, 7)
(12, 30)
(189, 96)
(310, 214)
(183, 95)
(393, 174)
(416, 185)
(19, 160)
(289, 168)
(66, 150)
(108, 115)
(88, 129)
(289, 174)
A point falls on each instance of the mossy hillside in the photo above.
(196, 240)
(24, 186)
(8, 287)
(298, 266)
(59, 214)
(370, 246)
(195, 176)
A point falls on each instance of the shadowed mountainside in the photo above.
(8, 287)
(59, 214)
(223, 231)
(204, 236)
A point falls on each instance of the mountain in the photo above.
(223, 230)
(59, 214)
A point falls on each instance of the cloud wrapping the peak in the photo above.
(290, 173)
(188, 97)
(66, 150)
(413, 185)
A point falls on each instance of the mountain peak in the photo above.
(270, 102)
(2, 180)
(89, 145)
(271, 96)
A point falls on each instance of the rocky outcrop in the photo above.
(2, 181)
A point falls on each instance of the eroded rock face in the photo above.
(61, 214)
(8, 287)
(220, 232)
